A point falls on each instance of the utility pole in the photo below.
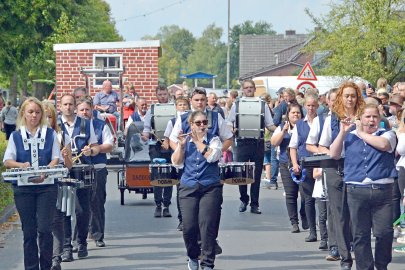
(228, 54)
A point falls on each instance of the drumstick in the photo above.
(78, 156)
(156, 137)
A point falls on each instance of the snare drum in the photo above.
(239, 173)
(83, 172)
(163, 175)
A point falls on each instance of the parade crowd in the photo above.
(358, 130)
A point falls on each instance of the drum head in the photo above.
(163, 175)
(239, 173)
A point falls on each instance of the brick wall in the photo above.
(140, 61)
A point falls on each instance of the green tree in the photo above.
(29, 29)
(364, 38)
(245, 28)
(177, 44)
(209, 55)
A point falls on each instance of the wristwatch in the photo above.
(205, 150)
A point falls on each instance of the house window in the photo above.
(107, 61)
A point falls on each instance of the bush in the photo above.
(6, 192)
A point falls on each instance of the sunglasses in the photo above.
(198, 123)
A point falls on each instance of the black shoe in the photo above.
(345, 267)
(243, 207)
(74, 249)
(311, 237)
(144, 196)
(333, 254)
(304, 224)
(56, 264)
(158, 212)
(255, 209)
(67, 255)
(100, 243)
(323, 245)
(82, 252)
(218, 249)
(180, 226)
(166, 212)
(295, 228)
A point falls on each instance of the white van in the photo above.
(271, 84)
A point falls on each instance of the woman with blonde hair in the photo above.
(33, 200)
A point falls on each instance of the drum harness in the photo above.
(34, 142)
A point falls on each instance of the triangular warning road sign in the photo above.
(307, 73)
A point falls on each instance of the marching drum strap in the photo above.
(152, 116)
(236, 125)
(262, 125)
(82, 126)
(209, 117)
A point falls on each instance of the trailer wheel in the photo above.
(122, 196)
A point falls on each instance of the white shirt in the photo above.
(326, 137)
(107, 138)
(313, 136)
(169, 127)
(225, 132)
(268, 119)
(215, 145)
(401, 150)
(130, 120)
(70, 128)
(392, 138)
(11, 150)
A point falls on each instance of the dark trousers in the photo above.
(97, 202)
(250, 150)
(82, 219)
(322, 217)
(162, 195)
(340, 212)
(398, 193)
(332, 242)
(371, 208)
(58, 233)
(306, 190)
(201, 211)
(9, 129)
(179, 217)
(291, 195)
(33, 204)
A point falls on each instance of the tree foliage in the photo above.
(30, 28)
(364, 38)
(177, 44)
(209, 55)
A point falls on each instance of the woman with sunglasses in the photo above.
(34, 201)
(281, 138)
(200, 191)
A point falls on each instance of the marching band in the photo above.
(345, 158)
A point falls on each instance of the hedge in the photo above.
(6, 193)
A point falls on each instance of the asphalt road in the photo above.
(137, 240)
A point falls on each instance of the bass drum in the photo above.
(239, 173)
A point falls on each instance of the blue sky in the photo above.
(196, 15)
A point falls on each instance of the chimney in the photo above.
(290, 32)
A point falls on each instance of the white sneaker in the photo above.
(397, 231)
(400, 249)
(401, 239)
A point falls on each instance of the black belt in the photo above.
(371, 186)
